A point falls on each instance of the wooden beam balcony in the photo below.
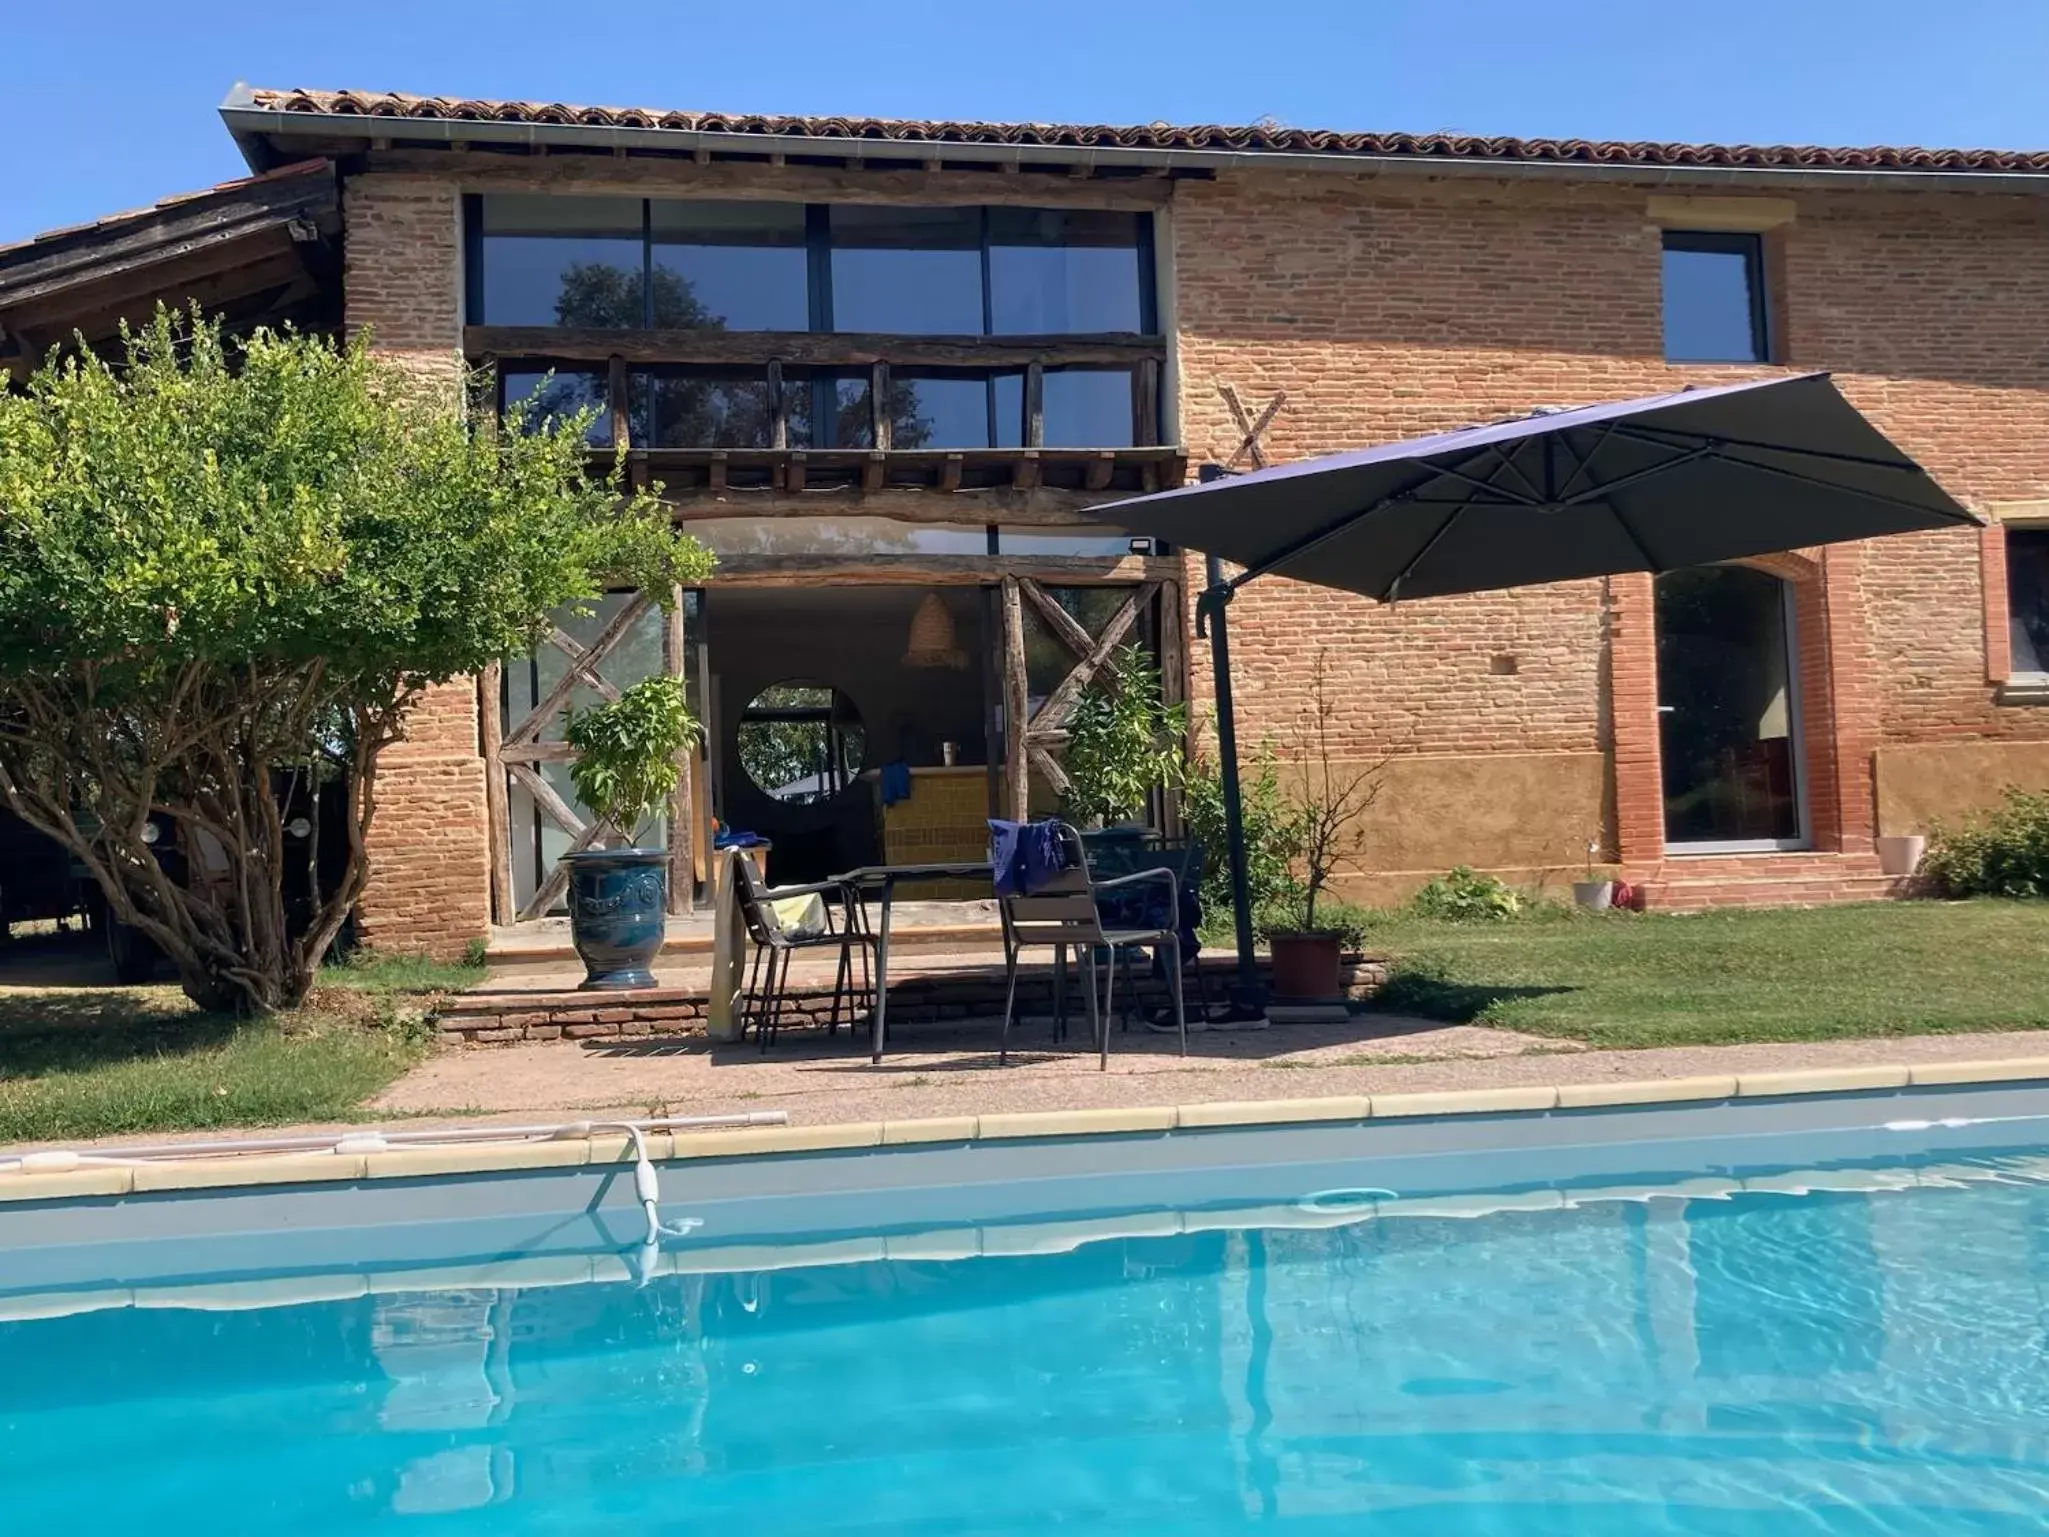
(977, 485)
(808, 349)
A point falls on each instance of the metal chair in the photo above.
(762, 1004)
(1062, 914)
(1110, 858)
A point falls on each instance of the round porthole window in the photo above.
(801, 742)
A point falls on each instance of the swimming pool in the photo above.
(1728, 1332)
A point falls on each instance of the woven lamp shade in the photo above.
(932, 638)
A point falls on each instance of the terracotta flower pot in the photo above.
(1901, 855)
(1306, 968)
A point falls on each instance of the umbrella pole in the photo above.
(1248, 998)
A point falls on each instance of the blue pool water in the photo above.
(1821, 1362)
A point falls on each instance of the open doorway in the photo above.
(849, 724)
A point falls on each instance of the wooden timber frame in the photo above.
(514, 756)
(1029, 486)
(1031, 736)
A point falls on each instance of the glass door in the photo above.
(1728, 712)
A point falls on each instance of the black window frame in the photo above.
(1749, 246)
(818, 247)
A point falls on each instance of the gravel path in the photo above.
(955, 1074)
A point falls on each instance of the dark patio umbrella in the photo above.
(1655, 484)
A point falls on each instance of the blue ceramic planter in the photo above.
(618, 902)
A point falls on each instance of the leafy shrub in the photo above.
(1464, 895)
(627, 750)
(1124, 740)
(2003, 852)
(1273, 834)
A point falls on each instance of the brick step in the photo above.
(505, 1016)
(1796, 865)
(1784, 891)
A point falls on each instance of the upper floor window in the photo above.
(559, 261)
(909, 271)
(763, 266)
(742, 266)
(1714, 298)
(2027, 598)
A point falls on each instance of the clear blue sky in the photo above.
(110, 103)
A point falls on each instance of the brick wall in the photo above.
(429, 886)
(1392, 307)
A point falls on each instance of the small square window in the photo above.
(2027, 598)
(1714, 298)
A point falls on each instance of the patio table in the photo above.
(883, 880)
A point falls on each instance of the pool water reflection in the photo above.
(1758, 1363)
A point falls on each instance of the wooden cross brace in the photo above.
(1251, 429)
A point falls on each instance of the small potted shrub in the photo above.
(1596, 893)
(1308, 945)
(626, 767)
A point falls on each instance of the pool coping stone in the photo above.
(56, 1175)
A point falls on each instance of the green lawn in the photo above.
(1631, 980)
(81, 1062)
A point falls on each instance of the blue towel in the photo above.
(1026, 855)
(895, 781)
(736, 838)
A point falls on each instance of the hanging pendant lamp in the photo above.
(932, 638)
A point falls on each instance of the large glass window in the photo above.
(740, 266)
(907, 271)
(749, 266)
(559, 261)
(705, 408)
(1060, 270)
(940, 411)
(1714, 298)
(1086, 408)
(2027, 597)
(541, 396)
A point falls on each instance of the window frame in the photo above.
(2020, 685)
(819, 249)
(1750, 246)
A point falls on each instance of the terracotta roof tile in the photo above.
(162, 205)
(1257, 138)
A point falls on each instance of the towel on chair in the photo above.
(1026, 855)
(798, 917)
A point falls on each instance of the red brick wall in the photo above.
(1395, 307)
(1390, 306)
(429, 887)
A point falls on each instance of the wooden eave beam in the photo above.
(940, 570)
(844, 349)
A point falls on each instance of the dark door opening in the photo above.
(1728, 711)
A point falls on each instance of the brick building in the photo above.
(887, 368)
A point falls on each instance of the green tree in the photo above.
(1123, 740)
(219, 564)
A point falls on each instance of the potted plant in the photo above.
(1123, 742)
(1596, 893)
(1328, 805)
(628, 754)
